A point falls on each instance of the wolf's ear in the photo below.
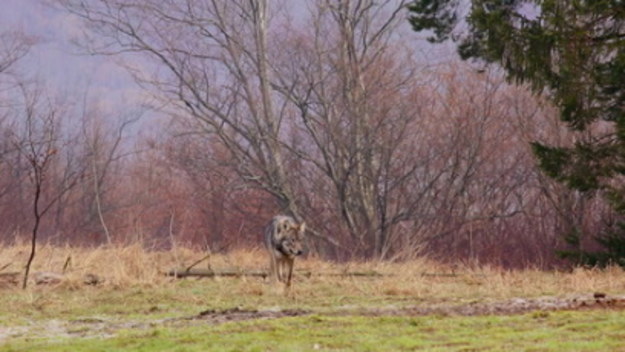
(302, 228)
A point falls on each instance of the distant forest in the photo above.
(333, 111)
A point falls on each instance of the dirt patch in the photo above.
(508, 307)
(103, 328)
(213, 316)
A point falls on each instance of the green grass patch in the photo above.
(596, 330)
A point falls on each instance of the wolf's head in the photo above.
(292, 243)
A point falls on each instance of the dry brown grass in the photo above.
(414, 281)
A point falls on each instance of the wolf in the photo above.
(284, 240)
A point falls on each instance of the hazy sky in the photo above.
(61, 65)
(56, 60)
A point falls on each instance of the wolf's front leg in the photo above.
(289, 263)
(274, 268)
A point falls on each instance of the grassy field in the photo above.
(416, 305)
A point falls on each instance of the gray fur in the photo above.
(284, 240)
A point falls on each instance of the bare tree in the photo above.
(355, 89)
(103, 140)
(335, 114)
(14, 45)
(217, 70)
(38, 143)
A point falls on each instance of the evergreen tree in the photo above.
(573, 53)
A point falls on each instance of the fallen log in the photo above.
(356, 273)
(48, 278)
(9, 279)
(182, 273)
